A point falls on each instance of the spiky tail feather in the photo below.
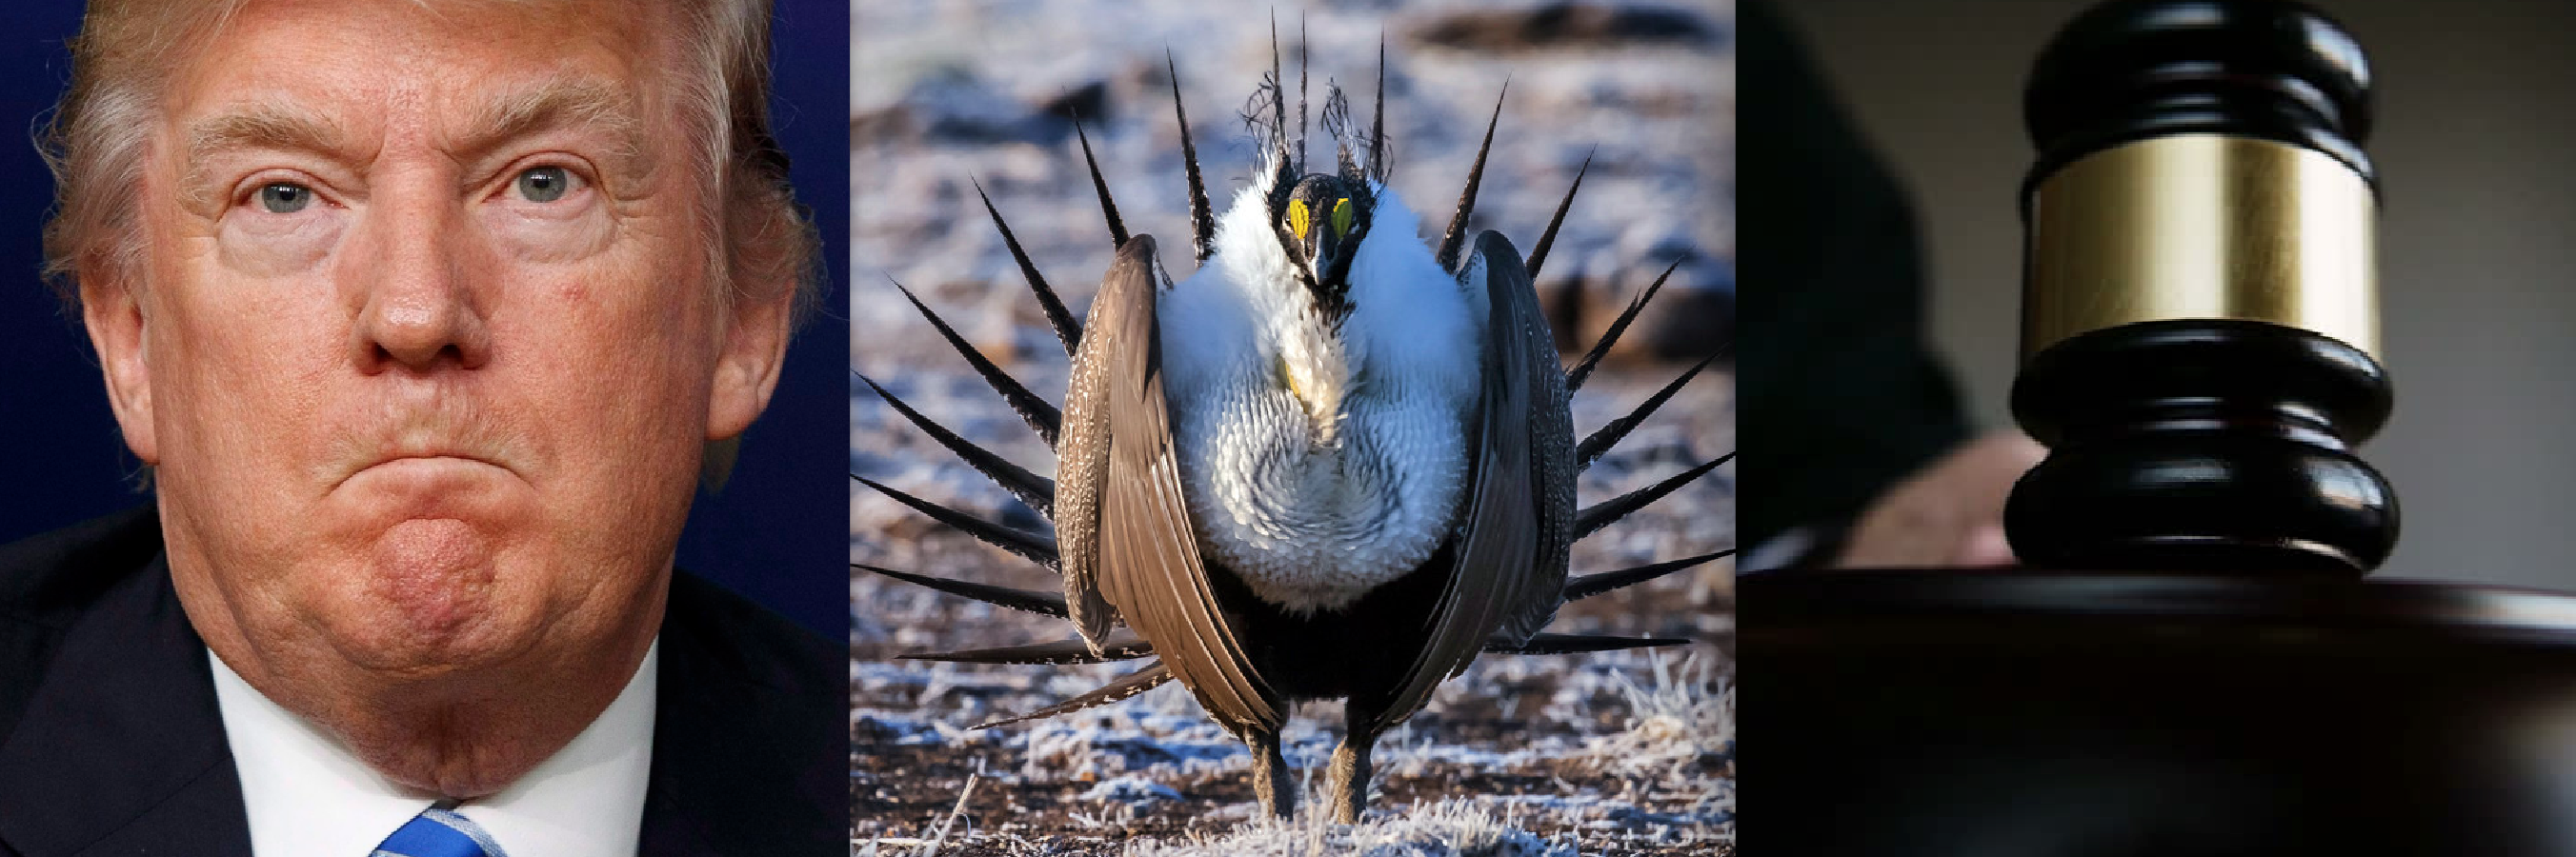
(1100, 186)
(1134, 683)
(1594, 584)
(1599, 515)
(1067, 330)
(1456, 237)
(1202, 217)
(1037, 491)
(1041, 415)
(1567, 644)
(1061, 653)
(1043, 603)
(1547, 239)
(1601, 440)
(1574, 377)
(1037, 548)
(1377, 124)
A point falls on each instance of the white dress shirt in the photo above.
(309, 796)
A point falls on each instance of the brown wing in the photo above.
(1122, 527)
(1513, 536)
(1081, 469)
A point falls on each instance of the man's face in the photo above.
(423, 341)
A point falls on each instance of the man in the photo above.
(425, 315)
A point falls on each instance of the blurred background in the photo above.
(2472, 146)
(772, 534)
(947, 94)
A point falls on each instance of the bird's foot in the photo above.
(1350, 779)
(1270, 779)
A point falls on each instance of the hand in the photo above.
(1948, 514)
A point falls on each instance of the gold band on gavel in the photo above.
(2202, 226)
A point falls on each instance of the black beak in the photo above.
(1330, 281)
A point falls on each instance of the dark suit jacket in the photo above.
(110, 742)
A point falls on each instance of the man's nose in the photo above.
(421, 305)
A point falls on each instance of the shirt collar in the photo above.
(306, 793)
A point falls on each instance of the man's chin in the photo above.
(427, 601)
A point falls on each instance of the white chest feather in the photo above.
(1320, 464)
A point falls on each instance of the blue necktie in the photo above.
(439, 832)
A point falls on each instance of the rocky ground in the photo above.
(1627, 753)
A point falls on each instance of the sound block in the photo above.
(2027, 713)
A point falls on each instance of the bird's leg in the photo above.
(1350, 771)
(1270, 774)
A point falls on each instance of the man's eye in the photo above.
(284, 198)
(544, 184)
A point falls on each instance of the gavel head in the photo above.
(2133, 69)
(2200, 310)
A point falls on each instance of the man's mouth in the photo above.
(426, 464)
(425, 454)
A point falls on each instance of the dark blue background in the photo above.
(779, 531)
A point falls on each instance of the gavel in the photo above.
(2192, 662)
(2200, 299)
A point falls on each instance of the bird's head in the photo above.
(1322, 222)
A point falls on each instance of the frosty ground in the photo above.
(1619, 754)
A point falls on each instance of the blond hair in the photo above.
(96, 139)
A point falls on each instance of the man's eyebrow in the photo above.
(559, 103)
(262, 126)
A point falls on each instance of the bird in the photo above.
(1332, 462)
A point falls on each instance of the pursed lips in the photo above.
(409, 455)
(422, 433)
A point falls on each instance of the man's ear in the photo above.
(755, 345)
(117, 329)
